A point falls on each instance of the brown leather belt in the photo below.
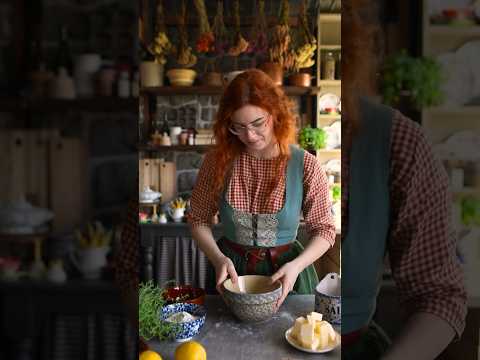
(255, 254)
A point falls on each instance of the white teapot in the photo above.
(148, 195)
(90, 260)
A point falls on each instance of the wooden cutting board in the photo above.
(168, 181)
(68, 183)
(13, 179)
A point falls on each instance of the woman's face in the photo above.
(254, 127)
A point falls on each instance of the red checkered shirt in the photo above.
(246, 192)
(422, 242)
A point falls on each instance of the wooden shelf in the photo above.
(452, 30)
(330, 83)
(198, 148)
(454, 110)
(330, 116)
(95, 104)
(218, 90)
(334, 17)
(329, 152)
(330, 47)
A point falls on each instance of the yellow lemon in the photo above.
(150, 355)
(191, 350)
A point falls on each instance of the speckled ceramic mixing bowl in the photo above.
(253, 298)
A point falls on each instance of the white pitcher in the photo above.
(90, 261)
(177, 214)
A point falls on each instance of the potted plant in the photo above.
(312, 138)
(415, 80)
(182, 75)
(155, 55)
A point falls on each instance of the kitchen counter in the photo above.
(225, 337)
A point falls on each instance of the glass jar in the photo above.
(329, 66)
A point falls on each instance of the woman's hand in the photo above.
(223, 268)
(287, 275)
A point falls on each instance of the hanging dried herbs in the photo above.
(279, 47)
(258, 33)
(184, 54)
(240, 45)
(205, 41)
(220, 31)
(306, 42)
(161, 45)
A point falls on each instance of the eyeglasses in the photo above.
(257, 126)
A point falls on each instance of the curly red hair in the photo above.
(360, 56)
(252, 87)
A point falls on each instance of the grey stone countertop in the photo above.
(226, 338)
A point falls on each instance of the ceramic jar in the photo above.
(328, 300)
(151, 74)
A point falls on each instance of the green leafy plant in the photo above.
(420, 78)
(470, 211)
(336, 193)
(151, 302)
(312, 138)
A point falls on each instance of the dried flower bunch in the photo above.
(240, 45)
(279, 49)
(305, 52)
(220, 31)
(206, 40)
(258, 34)
(161, 45)
(184, 53)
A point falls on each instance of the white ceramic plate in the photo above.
(328, 100)
(294, 343)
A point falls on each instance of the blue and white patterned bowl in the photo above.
(187, 330)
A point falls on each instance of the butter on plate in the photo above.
(313, 332)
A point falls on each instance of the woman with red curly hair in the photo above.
(260, 183)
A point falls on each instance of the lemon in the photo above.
(191, 350)
(150, 355)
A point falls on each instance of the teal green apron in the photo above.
(364, 246)
(268, 230)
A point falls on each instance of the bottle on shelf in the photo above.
(123, 84)
(63, 57)
(338, 66)
(329, 66)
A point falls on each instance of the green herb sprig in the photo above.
(151, 302)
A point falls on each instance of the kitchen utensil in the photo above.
(256, 301)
